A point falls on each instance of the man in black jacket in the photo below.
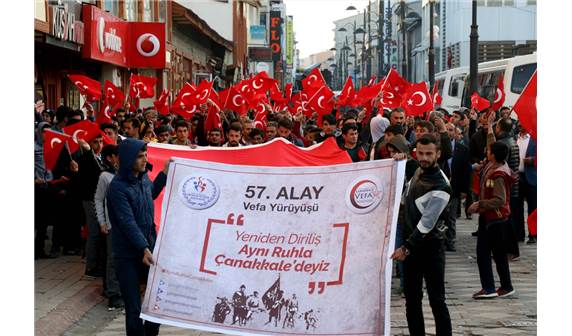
(460, 176)
(423, 251)
(90, 167)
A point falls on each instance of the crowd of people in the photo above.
(477, 161)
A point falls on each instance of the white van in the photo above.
(453, 84)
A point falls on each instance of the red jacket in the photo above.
(494, 198)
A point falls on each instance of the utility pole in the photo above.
(368, 40)
(403, 44)
(474, 51)
(431, 48)
(380, 43)
(388, 34)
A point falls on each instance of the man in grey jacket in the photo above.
(110, 158)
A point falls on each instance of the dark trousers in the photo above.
(130, 273)
(527, 192)
(426, 261)
(491, 239)
(510, 236)
(451, 232)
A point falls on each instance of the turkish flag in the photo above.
(371, 81)
(348, 93)
(288, 91)
(525, 107)
(84, 130)
(53, 144)
(162, 103)
(142, 86)
(183, 105)
(322, 102)
(389, 100)
(213, 119)
(395, 83)
(236, 102)
(262, 83)
(113, 95)
(104, 116)
(202, 93)
(261, 119)
(313, 82)
(417, 99)
(479, 103)
(437, 99)
(88, 87)
(499, 95)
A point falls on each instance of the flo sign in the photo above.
(128, 44)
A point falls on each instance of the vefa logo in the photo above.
(364, 195)
(107, 40)
(199, 192)
(148, 45)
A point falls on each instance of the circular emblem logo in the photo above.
(364, 194)
(100, 34)
(148, 45)
(199, 192)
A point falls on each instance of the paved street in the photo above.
(69, 304)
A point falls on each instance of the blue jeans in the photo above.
(491, 240)
(130, 273)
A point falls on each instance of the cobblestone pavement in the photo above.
(69, 304)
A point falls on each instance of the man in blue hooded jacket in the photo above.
(130, 200)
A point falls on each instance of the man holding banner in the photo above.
(423, 252)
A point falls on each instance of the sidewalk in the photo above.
(68, 304)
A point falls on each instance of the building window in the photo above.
(494, 3)
(112, 6)
(147, 11)
(480, 3)
(520, 77)
(162, 10)
(509, 3)
(263, 19)
(130, 10)
(531, 2)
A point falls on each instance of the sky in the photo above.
(314, 21)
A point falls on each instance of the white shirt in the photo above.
(522, 143)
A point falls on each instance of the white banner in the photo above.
(258, 250)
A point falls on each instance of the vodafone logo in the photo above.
(107, 40)
(364, 194)
(148, 45)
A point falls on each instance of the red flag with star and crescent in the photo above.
(525, 107)
(322, 102)
(54, 142)
(183, 105)
(499, 95)
(479, 103)
(142, 86)
(162, 103)
(348, 93)
(313, 82)
(395, 83)
(88, 87)
(113, 95)
(236, 102)
(417, 99)
(437, 99)
(104, 116)
(202, 93)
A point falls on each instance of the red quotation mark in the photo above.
(322, 284)
(229, 221)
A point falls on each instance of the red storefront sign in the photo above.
(128, 44)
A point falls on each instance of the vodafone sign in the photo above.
(128, 44)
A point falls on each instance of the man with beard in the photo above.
(233, 136)
(397, 117)
(423, 250)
